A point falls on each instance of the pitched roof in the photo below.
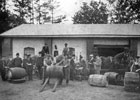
(74, 30)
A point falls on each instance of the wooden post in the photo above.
(133, 47)
(89, 47)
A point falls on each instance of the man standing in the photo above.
(91, 66)
(45, 49)
(66, 69)
(72, 68)
(65, 50)
(97, 63)
(17, 61)
(2, 70)
(29, 67)
(39, 65)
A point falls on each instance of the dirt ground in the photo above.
(76, 90)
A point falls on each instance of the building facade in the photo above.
(109, 38)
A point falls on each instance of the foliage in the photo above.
(24, 8)
(95, 13)
(125, 11)
(46, 12)
(7, 19)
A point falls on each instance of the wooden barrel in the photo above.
(112, 77)
(98, 80)
(54, 72)
(131, 81)
(16, 73)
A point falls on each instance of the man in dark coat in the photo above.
(17, 61)
(2, 70)
(39, 64)
(65, 50)
(72, 68)
(45, 49)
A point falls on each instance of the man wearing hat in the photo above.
(97, 62)
(29, 67)
(45, 49)
(17, 61)
(65, 50)
(91, 66)
(39, 64)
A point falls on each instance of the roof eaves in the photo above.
(78, 35)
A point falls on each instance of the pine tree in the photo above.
(95, 13)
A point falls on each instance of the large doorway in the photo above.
(110, 50)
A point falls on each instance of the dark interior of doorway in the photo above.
(110, 50)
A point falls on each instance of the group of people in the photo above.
(123, 60)
(95, 63)
(44, 59)
(40, 62)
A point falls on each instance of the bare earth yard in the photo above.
(76, 90)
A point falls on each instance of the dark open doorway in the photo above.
(109, 50)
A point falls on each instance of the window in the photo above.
(29, 50)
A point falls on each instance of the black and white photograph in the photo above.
(69, 49)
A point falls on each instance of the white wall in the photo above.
(20, 43)
(78, 44)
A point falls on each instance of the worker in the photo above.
(17, 62)
(29, 67)
(66, 50)
(91, 65)
(72, 67)
(45, 49)
(97, 62)
(39, 64)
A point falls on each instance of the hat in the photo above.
(66, 44)
(40, 52)
(17, 54)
